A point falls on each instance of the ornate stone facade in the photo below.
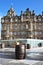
(27, 25)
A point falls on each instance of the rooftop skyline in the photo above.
(18, 5)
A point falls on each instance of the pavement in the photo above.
(33, 57)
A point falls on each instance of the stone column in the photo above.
(11, 29)
(31, 24)
(35, 31)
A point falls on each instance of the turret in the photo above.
(11, 12)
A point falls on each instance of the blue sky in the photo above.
(19, 5)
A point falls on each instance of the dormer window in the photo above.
(16, 20)
(10, 12)
(6, 20)
(2, 20)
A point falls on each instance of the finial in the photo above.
(27, 9)
(11, 3)
(33, 12)
(42, 12)
(21, 12)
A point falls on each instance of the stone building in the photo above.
(26, 25)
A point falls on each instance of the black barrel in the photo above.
(20, 52)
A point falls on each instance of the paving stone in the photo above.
(15, 64)
(39, 63)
